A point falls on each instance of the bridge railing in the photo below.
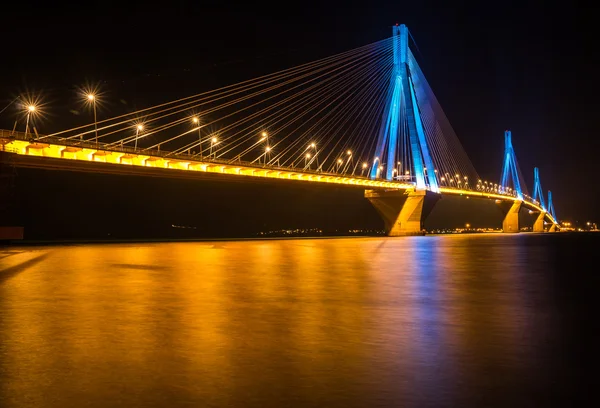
(12, 134)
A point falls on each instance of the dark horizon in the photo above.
(525, 68)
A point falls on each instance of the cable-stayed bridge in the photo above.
(366, 118)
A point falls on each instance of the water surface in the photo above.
(479, 320)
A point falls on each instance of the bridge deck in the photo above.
(148, 161)
(85, 156)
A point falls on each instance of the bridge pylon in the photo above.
(403, 212)
(554, 227)
(510, 172)
(402, 112)
(511, 210)
(510, 168)
(538, 225)
(537, 188)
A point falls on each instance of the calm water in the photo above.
(481, 320)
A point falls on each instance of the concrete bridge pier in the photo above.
(403, 212)
(511, 215)
(538, 225)
(553, 228)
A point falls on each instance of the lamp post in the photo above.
(348, 162)
(313, 146)
(196, 121)
(265, 137)
(92, 99)
(30, 110)
(138, 129)
(213, 142)
(364, 167)
(306, 160)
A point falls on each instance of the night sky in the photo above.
(526, 67)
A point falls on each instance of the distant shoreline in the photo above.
(167, 240)
(15, 243)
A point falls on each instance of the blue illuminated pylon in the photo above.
(550, 205)
(402, 103)
(537, 188)
(509, 169)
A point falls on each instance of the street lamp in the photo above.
(364, 167)
(265, 137)
(313, 145)
(138, 129)
(196, 121)
(349, 161)
(267, 152)
(92, 99)
(30, 110)
(306, 158)
(213, 142)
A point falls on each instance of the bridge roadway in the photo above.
(75, 155)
